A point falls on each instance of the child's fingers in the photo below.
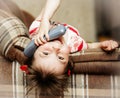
(38, 41)
(109, 45)
(114, 44)
(105, 44)
(42, 38)
(47, 36)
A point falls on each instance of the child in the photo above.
(49, 66)
(48, 69)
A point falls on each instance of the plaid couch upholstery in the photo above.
(13, 37)
(82, 84)
(13, 31)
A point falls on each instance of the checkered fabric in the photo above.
(13, 84)
(12, 32)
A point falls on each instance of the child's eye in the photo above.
(45, 53)
(61, 58)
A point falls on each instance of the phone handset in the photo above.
(53, 34)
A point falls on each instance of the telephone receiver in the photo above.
(54, 33)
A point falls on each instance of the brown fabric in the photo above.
(13, 33)
(13, 84)
(95, 55)
(110, 67)
(15, 54)
(96, 61)
(10, 7)
(28, 18)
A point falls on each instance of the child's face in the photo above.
(52, 56)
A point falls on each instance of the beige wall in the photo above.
(79, 13)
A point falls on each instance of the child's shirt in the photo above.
(72, 37)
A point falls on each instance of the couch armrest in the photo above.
(96, 61)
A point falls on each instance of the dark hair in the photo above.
(48, 82)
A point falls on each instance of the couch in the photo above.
(96, 74)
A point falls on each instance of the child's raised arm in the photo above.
(108, 45)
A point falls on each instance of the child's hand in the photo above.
(42, 31)
(109, 45)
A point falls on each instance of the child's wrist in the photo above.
(43, 19)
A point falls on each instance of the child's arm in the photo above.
(48, 10)
(108, 45)
(45, 16)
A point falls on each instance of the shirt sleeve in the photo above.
(74, 40)
(34, 28)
